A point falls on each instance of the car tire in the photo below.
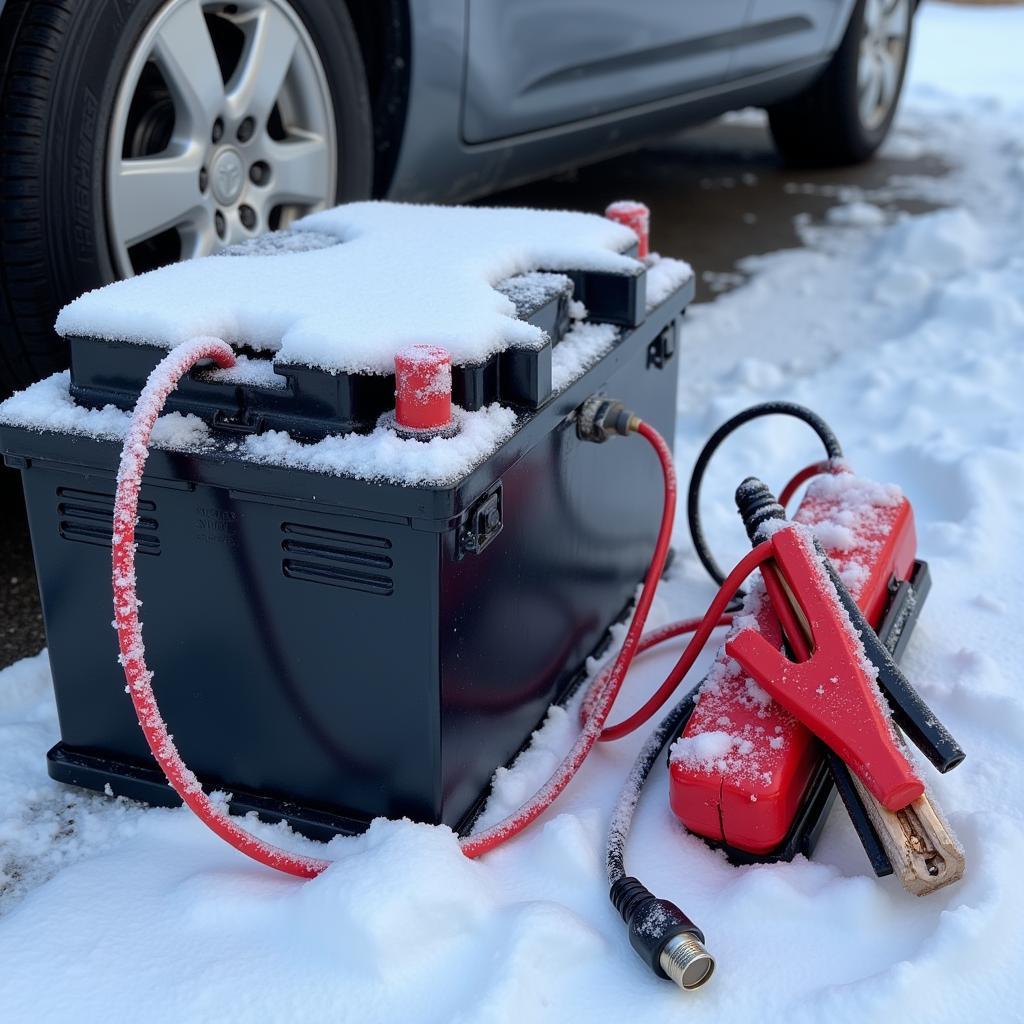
(832, 122)
(62, 63)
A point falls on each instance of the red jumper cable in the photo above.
(599, 701)
(663, 936)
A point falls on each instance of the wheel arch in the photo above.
(383, 29)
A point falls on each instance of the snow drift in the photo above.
(908, 333)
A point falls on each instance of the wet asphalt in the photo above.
(717, 194)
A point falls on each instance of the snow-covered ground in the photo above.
(908, 335)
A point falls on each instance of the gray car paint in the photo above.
(788, 30)
(537, 63)
(437, 161)
(522, 73)
(776, 49)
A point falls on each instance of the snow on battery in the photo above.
(360, 495)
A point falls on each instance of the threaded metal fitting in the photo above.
(598, 418)
(685, 960)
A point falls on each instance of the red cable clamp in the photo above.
(833, 692)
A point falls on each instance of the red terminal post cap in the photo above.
(636, 216)
(423, 389)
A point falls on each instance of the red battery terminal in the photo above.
(637, 217)
(423, 392)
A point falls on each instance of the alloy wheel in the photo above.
(223, 127)
(883, 50)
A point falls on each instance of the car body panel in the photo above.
(430, 169)
(437, 163)
(539, 63)
(602, 97)
(781, 31)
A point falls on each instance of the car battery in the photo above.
(330, 647)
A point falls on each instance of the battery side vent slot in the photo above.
(337, 558)
(87, 517)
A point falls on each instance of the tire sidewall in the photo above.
(331, 30)
(97, 45)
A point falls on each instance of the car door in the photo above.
(782, 32)
(534, 64)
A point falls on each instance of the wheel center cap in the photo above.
(227, 174)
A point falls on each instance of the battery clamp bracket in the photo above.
(483, 523)
(246, 422)
(662, 349)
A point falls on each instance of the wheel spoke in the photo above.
(865, 69)
(236, 230)
(871, 92)
(872, 15)
(887, 81)
(894, 25)
(199, 238)
(184, 51)
(270, 47)
(154, 193)
(299, 171)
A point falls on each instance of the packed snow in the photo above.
(383, 455)
(378, 455)
(580, 348)
(528, 291)
(664, 275)
(48, 405)
(907, 334)
(332, 306)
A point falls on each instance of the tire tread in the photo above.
(32, 33)
(820, 126)
(44, 58)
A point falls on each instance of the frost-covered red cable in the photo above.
(650, 639)
(708, 623)
(488, 839)
(807, 473)
(162, 381)
(702, 628)
(705, 625)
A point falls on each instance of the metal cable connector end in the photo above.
(599, 418)
(685, 960)
(663, 936)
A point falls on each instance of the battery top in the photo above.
(524, 303)
(344, 290)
